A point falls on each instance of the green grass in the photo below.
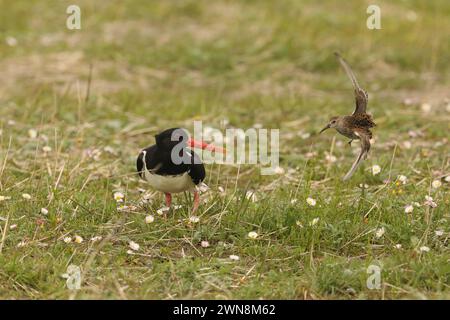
(249, 62)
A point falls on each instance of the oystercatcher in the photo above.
(170, 166)
(356, 126)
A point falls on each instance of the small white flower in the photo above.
(403, 179)
(96, 238)
(149, 219)
(13, 226)
(426, 107)
(439, 233)
(133, 246)
(177, 206)
(424, 249)
(251, 195)
(305, 136)
(203, 187)
(21, 244)
(204, 244)
(119, 196)
(409, 208)
(294, 201)
(11, 41)
(67, 239)
(407, 144)
(78, 239)
(314, 222)
(162, 210)
(194, 219)
(398, 246)
(32, 133)
(234, 257)
(4, 198)
(299, 223)
(252, 235)
(429, 202)
(26, 196)
(221, 189)
(312, 202)
(380, 232)
(447, 179)
(376, 169)
(44, 211)
(436, 184)
(278, 170)
(330, 158)
(47, 149)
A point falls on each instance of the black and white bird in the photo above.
(170, 166)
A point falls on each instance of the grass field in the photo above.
(160, 64)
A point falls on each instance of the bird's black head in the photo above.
(169, 138)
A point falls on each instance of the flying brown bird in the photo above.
(356, 126)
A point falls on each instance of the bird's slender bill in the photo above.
(205, 146)
(327, 127)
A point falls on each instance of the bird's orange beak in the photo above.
(205, 146)
(327, 127)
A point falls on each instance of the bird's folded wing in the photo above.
(361, 96)
(365, 147)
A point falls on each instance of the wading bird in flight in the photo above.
(356, 126)
(170, 166)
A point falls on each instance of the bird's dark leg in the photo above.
(168, 199)
(350, 142)
(196, 201)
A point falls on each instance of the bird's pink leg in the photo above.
(168, 199)
(196, 201)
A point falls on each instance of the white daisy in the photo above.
(376, 169)
(194, 219)
(26, 196)
(149, 219)
(436, 184)
(403, 179)
(133, 246)
(380, 232)
(32, 133)
(162, 210)
(409, 208)
(312, 202)
(204, 244)
(47, 149)
(78, 239)
(252, 235)
(119, 196)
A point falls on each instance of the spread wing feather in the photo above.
(361, 97)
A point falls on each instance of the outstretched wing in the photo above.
(365, 147)
(361, 96)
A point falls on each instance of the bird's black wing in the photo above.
(197, 169)
(361, 96)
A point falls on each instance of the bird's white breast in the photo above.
(169, 184)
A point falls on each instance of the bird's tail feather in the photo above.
(362, 155)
